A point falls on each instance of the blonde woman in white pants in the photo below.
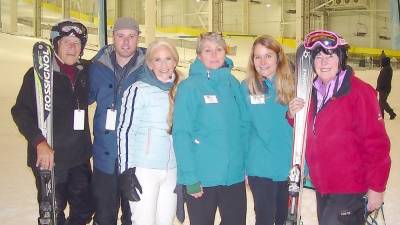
(144, 136)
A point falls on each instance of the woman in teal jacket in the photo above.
(267, 90)
(208, 136)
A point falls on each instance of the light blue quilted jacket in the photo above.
(143, 140)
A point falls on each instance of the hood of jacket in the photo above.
(197, 68)
(150, 78)
(104, 57)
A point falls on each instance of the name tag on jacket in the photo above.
(210, 99)
(257, 99)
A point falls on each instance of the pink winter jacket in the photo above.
(347, 144)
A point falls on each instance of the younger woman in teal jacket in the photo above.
(208, 137)
(267, 90)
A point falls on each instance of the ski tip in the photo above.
(40, 48)
(300, 49)
(41, 45)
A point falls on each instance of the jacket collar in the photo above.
(197, 68)
(343, 90)
(104, 57)
(56, 67)
(150, 78)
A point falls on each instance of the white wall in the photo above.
(192, 7)
(170, 13)
(289, 20)
(265, 20)
(275, 20)
(347, 23)
(233, 17)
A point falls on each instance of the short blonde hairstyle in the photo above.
(215, 37)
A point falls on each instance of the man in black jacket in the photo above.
(384, 86)
(71, 145)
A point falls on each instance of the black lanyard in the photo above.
(124, 74)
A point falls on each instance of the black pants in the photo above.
(73, 188)
(341, 209)
(384, 105)
(270, 200)
(230, 200)
(107, 199)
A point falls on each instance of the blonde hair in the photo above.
(215, 37)
(284, 79)
(178, 75)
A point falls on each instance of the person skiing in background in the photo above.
(347, 149)
(384, 86)
(267, 90)
(114, 68)
(71, 146)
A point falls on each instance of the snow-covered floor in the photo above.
(17, 193)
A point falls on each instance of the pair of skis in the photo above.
(305, 77)
(43, 72)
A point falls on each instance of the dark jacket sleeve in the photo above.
(384, 80)
(24, 111)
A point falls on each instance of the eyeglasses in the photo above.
(326, 39)
(69, 27)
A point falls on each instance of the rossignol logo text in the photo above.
(47, 80)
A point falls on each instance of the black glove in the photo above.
(129, 185)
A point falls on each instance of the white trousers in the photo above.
(157, 205)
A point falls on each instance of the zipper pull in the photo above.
(208, 74)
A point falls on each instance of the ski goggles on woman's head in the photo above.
(69, 27)
(326, 39)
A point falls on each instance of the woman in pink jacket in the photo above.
(347, 148)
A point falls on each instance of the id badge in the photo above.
(111, 119)
(210, 99)
(79, 119)
(257, 99)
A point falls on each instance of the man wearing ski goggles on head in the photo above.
(71, 136)
(347, 147)
(68, 27)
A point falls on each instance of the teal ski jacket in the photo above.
(270, 140)
(208, 131)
